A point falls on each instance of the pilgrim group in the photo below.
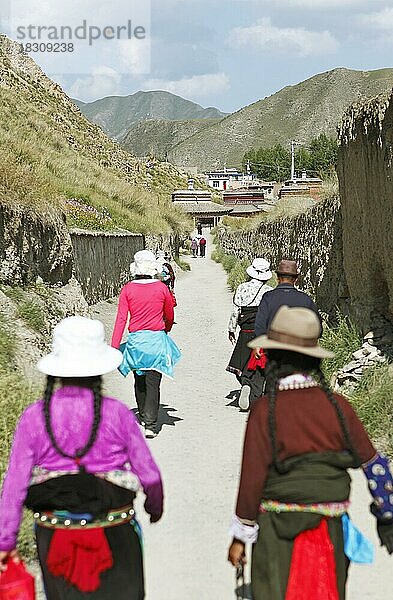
(79, 458)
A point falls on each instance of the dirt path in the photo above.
(199, 451)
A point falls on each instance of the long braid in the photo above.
(341, 417)
(96, 389)
(271, 384)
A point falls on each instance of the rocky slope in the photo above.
(158, 137)
(299, 112)
(116, 115)
(51, 154)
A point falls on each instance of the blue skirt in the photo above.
(149, 351)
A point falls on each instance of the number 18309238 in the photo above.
(48, 47)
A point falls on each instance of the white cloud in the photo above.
(324, 4)
(267, 36)
(382, 20)
(196, 87)
(134, 56)
(104, 81)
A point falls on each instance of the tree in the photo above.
(271, 164)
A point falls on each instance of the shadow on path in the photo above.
(164, 416)
(234, 396)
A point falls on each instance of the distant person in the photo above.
(284, 294)
(77, 461)
(245, 305)
(194, 247)
(199, 228)
(149, 352)
(166, 273)
(202, 247)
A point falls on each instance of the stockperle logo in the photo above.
(81, 36)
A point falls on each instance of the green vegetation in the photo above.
(182, 264)
(27, 307)
(53, 158)
(274, 163)
(343, 338)
(235, 268)
(15, 395)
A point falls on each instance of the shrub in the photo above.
(343, 339)
(31, 312)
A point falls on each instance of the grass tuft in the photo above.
(343, 339)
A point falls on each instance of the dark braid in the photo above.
(95, 385)
(271, 389)
(341, 417)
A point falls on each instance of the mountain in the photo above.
(299, 112)
(53, 158)
(116, 115)
(158, 137)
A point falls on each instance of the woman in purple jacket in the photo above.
(78, 460)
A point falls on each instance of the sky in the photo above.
(223, 53)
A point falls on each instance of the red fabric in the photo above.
(80, 557)
(313, 566)
(150, 306)
(16, 583)
(253, 363)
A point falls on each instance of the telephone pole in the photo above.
(293, 144)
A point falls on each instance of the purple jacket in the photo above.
(119, 441)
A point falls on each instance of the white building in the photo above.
(226, 179)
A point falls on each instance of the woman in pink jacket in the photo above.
(78, 460)
(149, 352)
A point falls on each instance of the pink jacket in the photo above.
(119, 441)
(150, 306)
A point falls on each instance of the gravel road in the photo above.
(199, 449)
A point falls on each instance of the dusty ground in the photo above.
(199, 451)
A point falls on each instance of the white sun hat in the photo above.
(79, 349)
(260, 269)
(145, 263)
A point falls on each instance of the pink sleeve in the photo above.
(169, 314)
(143, 464)
(121, 319)
(17, 479)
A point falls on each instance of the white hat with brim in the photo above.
(145, 263)
(295, 329)
(259, 269)
(79, 350)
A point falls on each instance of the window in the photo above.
(216, 184)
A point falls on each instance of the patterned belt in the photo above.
(327, 509)
(54, 520)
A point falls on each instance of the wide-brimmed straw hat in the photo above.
(145, 263)
(259, 269)
(79, 349)
(287, 267)
(295, 329)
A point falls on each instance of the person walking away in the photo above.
(194, 247)
(292, 503)
(149, 351)
(284, 294)
(166, 273)
(202, 247)
(77, 460)
(245, 305)
(199, 228)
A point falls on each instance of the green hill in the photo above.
(116, 115)
(158, 137)
(300, 112)
(53, 158)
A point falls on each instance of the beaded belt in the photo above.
(327, 509)
(54, 520)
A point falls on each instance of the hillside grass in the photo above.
(45, 169)
(15, 394)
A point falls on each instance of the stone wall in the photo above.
(32, 245)
(365, 171)
(312, 238)
(102, 261)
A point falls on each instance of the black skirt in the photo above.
(241, 353)
(124, 581)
